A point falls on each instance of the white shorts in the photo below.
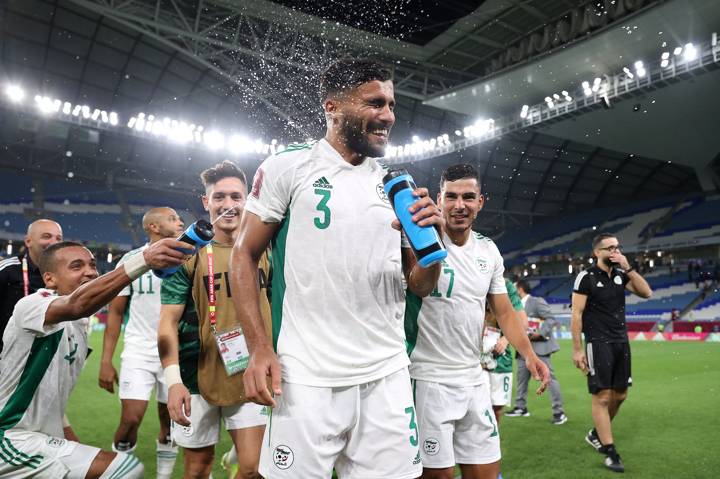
(138, 378)
(457, 425)
(204, 428)
(34, 454)
(500, 388)
(367, 431)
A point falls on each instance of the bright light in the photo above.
(659, 254)
(533, 266)
(665, 55)
(570, 268)
(591, 261)
(524, 111)
(585, 85)
(214, 140)
(525, 272)
(415, 138)
(664, 63)
(8, 250)
(641, 72)
(651, 263)
(15, 93)
(109, 257)
(113, 118)
(690, 52)
(639, 64)
(628, 73)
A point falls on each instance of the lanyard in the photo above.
(211, 286)
(26, 279)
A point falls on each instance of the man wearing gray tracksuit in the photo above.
(542, 323)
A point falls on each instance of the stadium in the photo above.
(581, 116)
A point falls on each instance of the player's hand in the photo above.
(425, 211)
(164, 253)
(263, 363)
(179, 404)
(620, 260)
(108, 377)
(70, 434)
(501, 345)
(580, 361)
(539, 371)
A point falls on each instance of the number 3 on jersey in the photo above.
(323, 221)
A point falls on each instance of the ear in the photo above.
(205, 202)
(331, 107)
(49, 280)
(481, 202)
(27, 241)
(439, 199)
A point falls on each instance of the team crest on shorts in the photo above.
(431, 446)
(482, 264)
(283, 457)
(381, 193)
(55, 442)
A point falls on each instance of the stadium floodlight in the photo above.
(67, 108)
(591, 261)
(9, 248)
(214, 140)
(664, 63)
(533, 266)
(76, 110)
(524, 111)
(14, 93)
(556, 96)
(678, 51)
(238, 144)
(690, 52)
(458, 133)
(665, 55)
(130, 123)
(659, 254)
(651, 263)
(570, 268)
(525, 272)
(114, 118)
(713, 42)
(85, 111)
(415, 138)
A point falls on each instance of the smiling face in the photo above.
(364, 116)
(71, 267)
(226, 195)
(460, 202)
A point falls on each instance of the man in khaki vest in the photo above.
(196, 339)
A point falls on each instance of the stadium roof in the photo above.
(253, 66)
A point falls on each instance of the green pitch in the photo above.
(669, 426)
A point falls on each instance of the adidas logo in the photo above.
(322, 182)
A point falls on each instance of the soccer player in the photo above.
(444, 333)
(598, 312)
(45, 350)
(337, 296)
(544, 344)
(20, 276)
(140, 370)
(497, 357)
(200, 390)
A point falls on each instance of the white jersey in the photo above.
(39, 367)
(337, 295)
(143, 313)
(445, 328)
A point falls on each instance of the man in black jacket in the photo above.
(19, 275)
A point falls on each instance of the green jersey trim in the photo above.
(513, 295)
(42, 352)
(279, 244)
(413, 303)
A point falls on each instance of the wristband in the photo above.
(136, 266)
(630, 270)
(172, 375)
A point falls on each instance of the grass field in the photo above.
(668, 428)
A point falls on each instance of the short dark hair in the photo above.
(348, 73)
(459, 172)
(226, 169)
(602, 236)
(521, 283)
(47, 259)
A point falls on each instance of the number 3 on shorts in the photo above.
(412, 426)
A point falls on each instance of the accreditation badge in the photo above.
(233, 350)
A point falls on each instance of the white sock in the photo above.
(166, 456)
(124, 466)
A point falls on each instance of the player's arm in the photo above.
(515, 333)
(421, 281)
(108, 373)
(638, 285)
(91, 296)
(251, 243)
(168, 347)
(578, 307)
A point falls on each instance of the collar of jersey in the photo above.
(328, 151)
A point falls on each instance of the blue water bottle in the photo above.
(198, 234)
(425, 242)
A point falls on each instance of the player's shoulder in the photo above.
(9, 263)
(294, 152)
(131, 253)
(485, 242)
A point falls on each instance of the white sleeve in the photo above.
(30, 312)
(269, 197)
(497, 283)
(127, 290)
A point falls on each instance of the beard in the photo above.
(608, 263)
(357, 138)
